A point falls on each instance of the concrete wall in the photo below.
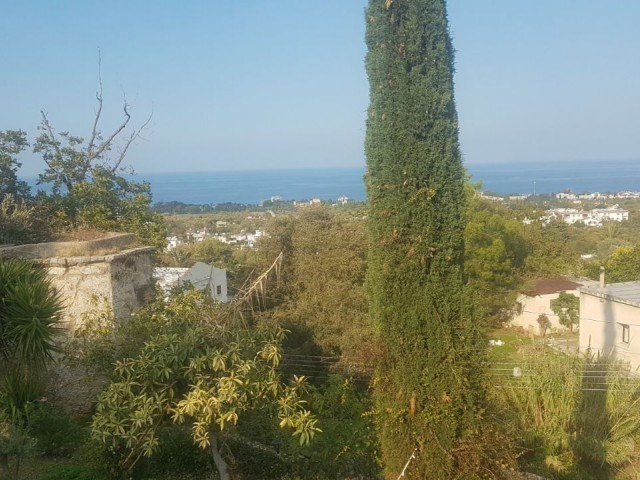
(601, 329)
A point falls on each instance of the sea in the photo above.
(255, 186)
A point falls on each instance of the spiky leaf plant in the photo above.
(30, 315)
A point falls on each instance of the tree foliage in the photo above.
(89, 188)
(200, 370)
(550, 250)
(429, 389)
(623, 265)
(495, 251)
(543, 323)
(322, 283)
(12, 142)
(567, 308)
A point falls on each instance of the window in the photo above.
(625, 333)
(218, 289)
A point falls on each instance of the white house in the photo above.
(537, 301)
(614, 213)
(172, 242)
(592, 218)
(203, 277)
(610, 321)
(207, 278)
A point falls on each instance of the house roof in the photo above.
(167, 276)
(546, 286)
(625, 292)
(199, 275)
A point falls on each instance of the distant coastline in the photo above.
(254, 186)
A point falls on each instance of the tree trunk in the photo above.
(221, 465)
(5, 473)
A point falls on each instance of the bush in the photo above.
(178, 454)
(575, 415)
(57, 434)
(21, 223)
(72, 472)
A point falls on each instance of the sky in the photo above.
(257, 84)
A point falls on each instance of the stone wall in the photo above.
(109, 273)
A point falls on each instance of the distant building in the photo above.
(208, 279)
(610, 321)
(537, 301)
(172, 242)
(614, 213)
(592, 218)
(201, 276)
(492, 198)
(314, 201)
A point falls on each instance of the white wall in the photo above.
(219, 278)
(601, 329)
(532, 307)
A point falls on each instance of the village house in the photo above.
(202, 277)
(537, 299)
(592, 218)
(610, 321)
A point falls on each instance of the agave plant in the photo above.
(30, 315)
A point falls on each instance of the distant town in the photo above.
(589, 217)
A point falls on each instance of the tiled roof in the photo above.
(545, 286)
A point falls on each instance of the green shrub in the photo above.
(578, 417)
(57, 434)
(21, 223)
(72, 472)
(178, 454)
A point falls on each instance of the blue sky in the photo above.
(281, 83)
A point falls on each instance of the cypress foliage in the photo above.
(428, 388)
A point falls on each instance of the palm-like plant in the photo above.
(30, 314)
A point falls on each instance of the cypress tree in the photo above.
(427, 392)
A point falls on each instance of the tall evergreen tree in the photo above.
(428, 389)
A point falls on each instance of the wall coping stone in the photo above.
(76, 251)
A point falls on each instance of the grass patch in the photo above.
(513, 340)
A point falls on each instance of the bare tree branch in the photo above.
(107, 143)
(135, 134)
(94, 131)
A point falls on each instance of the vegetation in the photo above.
(576, 418)
(322, 284)
(193, 389)
(567, 308)
(29, 325)
(429, 387)
(12, 142)
(495, 252)
(88, 186)
(21, 222)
